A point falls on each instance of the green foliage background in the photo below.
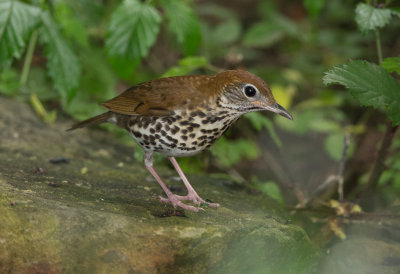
(65, 56)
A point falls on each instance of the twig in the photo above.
(28, 57)
(346, 143)
(333, 179)
(379, 165)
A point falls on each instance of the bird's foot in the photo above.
(194, 197)
(175, 201)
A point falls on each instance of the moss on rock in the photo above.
(100, 212)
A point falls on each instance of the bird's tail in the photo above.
(102, 118)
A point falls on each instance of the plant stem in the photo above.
(378, 46)
(346, 144)
(383, 152)
(28, 57)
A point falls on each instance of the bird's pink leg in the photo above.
(148, 162)
(192, 194)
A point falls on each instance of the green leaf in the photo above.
(72, 28)
(267, 33)
(271, 189)
(9, 82)
(183, 22)
(132, 31)
(334, 144)
(263, 34)
(314, 7)
(228, 153)
(17, 21)
(260, 121)
(370, 18)
(391, 64)
(186, 65)
(370, 84)
(227, 32)
(395, 11)
(62, 64)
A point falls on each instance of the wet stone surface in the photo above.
(94, 209)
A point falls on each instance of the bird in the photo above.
(181, 116)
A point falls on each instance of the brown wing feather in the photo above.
(159, 97)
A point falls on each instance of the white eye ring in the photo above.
(250, 90)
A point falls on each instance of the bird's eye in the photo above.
(250, 90)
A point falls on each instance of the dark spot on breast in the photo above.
(202, 143)
(173, 140)
(163, 133)
(184, 131)
(184, 137)
(152, 131)
(158, 126)
(204, 121)
(168, 120)
(132, 122)
(194, 143)
(137, 134)
(164, 143)
(175, 130)
(200, 113)
(184, 123)
(192, 135)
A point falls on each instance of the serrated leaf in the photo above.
(186, 65)
(370, 84)
(314, 7)
(183, 22)
(132, 31)
(62, 64)
(395, 11)
(370, 18)
(391, 64)
(17, 21)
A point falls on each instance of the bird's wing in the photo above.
(158, 97)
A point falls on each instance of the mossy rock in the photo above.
(99, 213)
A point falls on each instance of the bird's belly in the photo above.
(177, 137)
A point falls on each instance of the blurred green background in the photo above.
(64, 57)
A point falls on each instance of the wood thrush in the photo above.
(183, 115)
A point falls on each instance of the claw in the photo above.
(176, 202)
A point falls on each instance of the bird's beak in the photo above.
(277, 108)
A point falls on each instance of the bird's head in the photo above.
(244, 92)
